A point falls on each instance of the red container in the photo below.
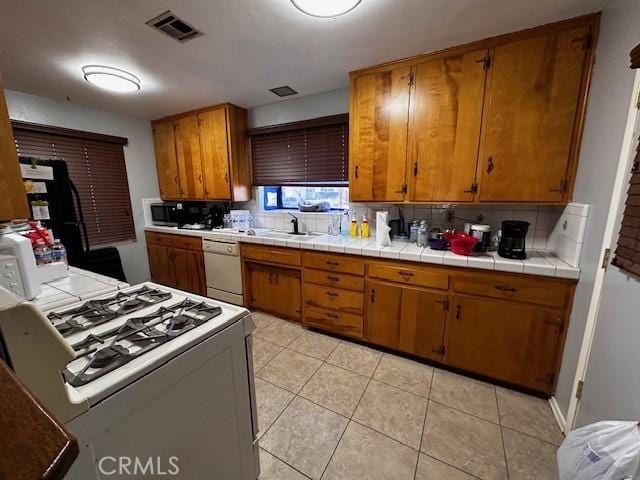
(461, 243)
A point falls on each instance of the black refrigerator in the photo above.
(55, 201)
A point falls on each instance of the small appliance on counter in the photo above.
(164, 214)
(483, 234)
(18, 269)
(512, 244)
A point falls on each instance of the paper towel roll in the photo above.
(382, 229)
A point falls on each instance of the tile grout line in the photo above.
(504, 449)
(290, 466)
(351, 417)
(424, 423)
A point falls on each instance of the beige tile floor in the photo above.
(330, 409)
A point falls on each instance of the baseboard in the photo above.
(555, 408)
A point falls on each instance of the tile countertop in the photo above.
(538, 262)
(79, 285)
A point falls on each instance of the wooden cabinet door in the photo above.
(215, 154)
(505, 340)
(534, 87)
(189, 158)
(286, 293)
(378, 122)
(189, 270)
(444, 131)
(161, 264)
(383, 312)
(261, 292)
(166, 163)
(422, 322)
(13, 204)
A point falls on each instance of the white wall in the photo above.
(139, 158)
(304, 108)
(611, 88)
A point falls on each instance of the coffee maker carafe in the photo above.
(512, 243)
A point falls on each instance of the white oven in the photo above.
(223, 270)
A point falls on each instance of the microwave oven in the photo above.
(165, 214)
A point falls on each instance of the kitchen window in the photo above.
(96, 167)
(306, 160)
(289, 197)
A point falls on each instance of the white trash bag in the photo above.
(601, 451)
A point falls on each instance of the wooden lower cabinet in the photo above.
(275, 290)
(177, 261)
(408, 319)
(502, 326)
(160, 264)
(189, 271)
(513, 342)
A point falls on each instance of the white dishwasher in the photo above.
(223, 270)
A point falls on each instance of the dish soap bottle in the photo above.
(364, 227)
(353, 227)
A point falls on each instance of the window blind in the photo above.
(313, 152)
(96, 167)
(627, 254)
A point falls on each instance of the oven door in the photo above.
(192, 417)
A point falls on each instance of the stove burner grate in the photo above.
(135, 337)
(98, 311)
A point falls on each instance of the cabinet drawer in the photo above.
(272, 255)
(187, 243)
(333, 279)
(420, 277)
(530, 290)
(333, 298)
(337, 322)
(334, 263)
(155, 238)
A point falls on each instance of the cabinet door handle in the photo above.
(373, 295)
(458, 312)
(405, 275)
(175, 179)
(332, 264)
(200, 178)
(332, 279)
(504, 289)
(357, 170)
(332, 294)
(277, 278)
(226, 177)
(490, 165)
(332, 315)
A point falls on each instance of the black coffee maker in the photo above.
(512, 242)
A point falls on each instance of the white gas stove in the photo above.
(126, 358)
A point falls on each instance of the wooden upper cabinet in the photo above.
(496, 120)
(215, 154)
(203, 155)
(533, 94)
(13, 200)
(189, 158)
(379, 106)
(166, 164)
(444, 130)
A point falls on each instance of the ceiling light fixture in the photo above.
(111, 78)
(325, 8)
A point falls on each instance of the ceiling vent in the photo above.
(284, 91)
(170, 24)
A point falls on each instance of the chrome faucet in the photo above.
(295, 224)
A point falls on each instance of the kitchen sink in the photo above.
(303, 237)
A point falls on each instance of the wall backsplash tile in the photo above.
(558, 229)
